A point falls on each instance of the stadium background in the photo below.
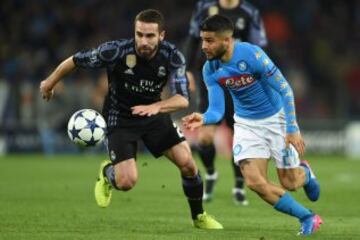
(315, 43)
(45, 194)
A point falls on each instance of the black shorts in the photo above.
(158, 134)
(229, 105)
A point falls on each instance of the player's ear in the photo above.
(227, 39)
(162, 35)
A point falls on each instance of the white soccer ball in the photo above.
(86, 128)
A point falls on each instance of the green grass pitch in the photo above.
(52, 198)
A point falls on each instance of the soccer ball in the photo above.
(86, 128)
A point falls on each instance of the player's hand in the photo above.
(146, 110)
(46, 90)
(297, 141)
(193, 121)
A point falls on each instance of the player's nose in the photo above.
(143, 41)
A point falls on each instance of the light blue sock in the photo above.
(290, 206)
(307, 175)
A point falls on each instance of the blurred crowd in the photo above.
(315, 43)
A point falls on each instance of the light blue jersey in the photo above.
(258, 88)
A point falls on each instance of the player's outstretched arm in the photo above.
(277, 81)
(171, 104)
(193, 121)
(47, 85)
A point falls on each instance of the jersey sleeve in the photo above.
(267, 70)
(216, 108)
(105, 54)
(179, 83)
(192, 41)
(257, 33)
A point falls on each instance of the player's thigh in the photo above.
(122, 147)
(122, 144)
(287, 159)
(254, 171)
(206, 134)
(161, 135)
(290, 174)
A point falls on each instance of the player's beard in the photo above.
(218, 54)
(146, 52)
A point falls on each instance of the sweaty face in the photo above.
(147, 38)
(213, 45)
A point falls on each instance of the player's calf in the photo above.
(292, 178)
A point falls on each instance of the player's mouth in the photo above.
(145, 49)
(208, 55)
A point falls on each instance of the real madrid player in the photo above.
(265, 120)
(138, 69)
(248, 28)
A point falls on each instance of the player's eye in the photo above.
(150, 35)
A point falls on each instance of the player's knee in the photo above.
(259, 186)
(289, 184)
(188, 168)
(206, 138)
(126, 183)
(187, 165)
(205, 141)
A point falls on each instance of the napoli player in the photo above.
(265, 119)
(248, 27)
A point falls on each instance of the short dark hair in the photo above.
(151, 16)
(217, 23)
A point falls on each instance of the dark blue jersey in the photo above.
(246, 18)
(134, 80)
(247, 21)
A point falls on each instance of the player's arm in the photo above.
(63, 69)
(179, 89)
(216, 108)
(277, 81)
(107, 53)
(192, 43)
(257, 33)
(190, 50)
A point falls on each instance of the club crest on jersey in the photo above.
(237, 82)
(242, 66)
(131, 60)
(161, 71)
(213, 10)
